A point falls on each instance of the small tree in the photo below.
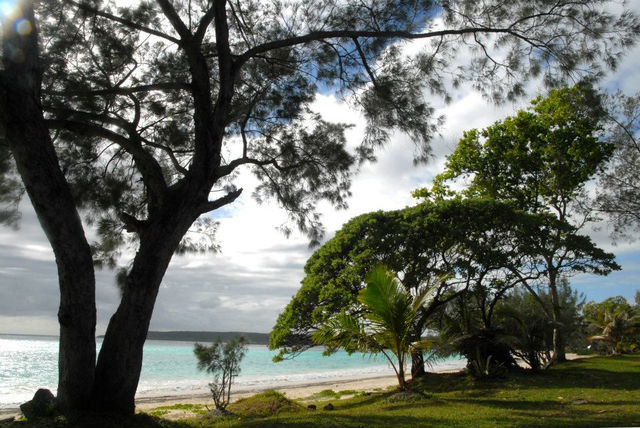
(382, 325)
(223, 361)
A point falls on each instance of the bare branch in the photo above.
(220, 202)
(353, 34)
(147, 165)
(206, 20)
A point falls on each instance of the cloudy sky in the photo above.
(258, 270)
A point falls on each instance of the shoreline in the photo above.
(293, 391)
(300, 390)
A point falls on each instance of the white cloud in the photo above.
(249, 282)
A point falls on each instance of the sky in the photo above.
(247, 284)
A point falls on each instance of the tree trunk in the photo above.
(37, 163)
(402, 383)
(120, 358)
(417, 364)
(558, 339)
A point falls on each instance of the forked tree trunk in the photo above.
(37, 163)
(120, 358)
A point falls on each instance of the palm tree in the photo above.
(382, 324)
(616, 324)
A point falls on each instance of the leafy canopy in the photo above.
(151, 98)
(452, 245)
(618, 190)
(541, 158)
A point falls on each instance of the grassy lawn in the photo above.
(601, 391)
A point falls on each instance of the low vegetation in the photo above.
(265, 404)
(598, 391)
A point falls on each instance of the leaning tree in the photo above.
(136, 117)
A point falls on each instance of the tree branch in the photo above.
(177, 24)
(206, 20)
(353, 34)
(147, 165)
(164, 86)
(220, 202)
(125, 22)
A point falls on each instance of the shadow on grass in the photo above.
(597, 372)
(336, 420)
(140, 420)
(541, 405)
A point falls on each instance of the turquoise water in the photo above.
(169, 368)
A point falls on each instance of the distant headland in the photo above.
(206, 336)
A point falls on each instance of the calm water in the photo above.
(169, 368)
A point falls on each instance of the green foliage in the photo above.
(465, 327)
(540, 158)
(267, 403)
(383, 323)
(616, 324)
(618, 193)
(223, 361)
(119, 90)
(530, 330)
(445, 245)
(453, 245)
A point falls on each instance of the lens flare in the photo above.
(23, 27)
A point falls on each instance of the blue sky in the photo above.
(253, 278)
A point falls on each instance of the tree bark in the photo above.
(402, 383)
(417, 364)
(559, 354)
(120, 358)
(36, 160)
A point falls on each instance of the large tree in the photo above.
(458, 247)
(24, 136)
(540, 159)
(152, 108)
(618, 190)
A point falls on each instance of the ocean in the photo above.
(169, 368)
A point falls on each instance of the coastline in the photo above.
(293, 391)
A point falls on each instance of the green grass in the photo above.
(267, 403)
(601, 391)
(198, 409)
(327, 394)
